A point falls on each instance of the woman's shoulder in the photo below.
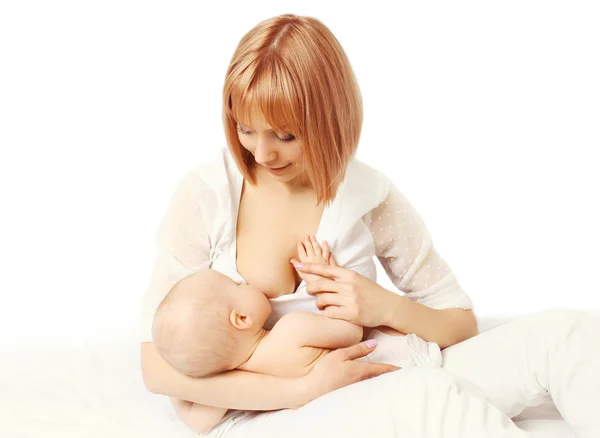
(362, 190)
(361, 169)
(208, 186)
(365, 183)
(217, 171)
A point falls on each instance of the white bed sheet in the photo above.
(89, 389)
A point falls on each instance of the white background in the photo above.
(485, 115)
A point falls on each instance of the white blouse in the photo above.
(368, 217)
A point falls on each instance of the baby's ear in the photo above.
(240, 320)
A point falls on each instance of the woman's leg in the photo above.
(411, 403)
(522, 362)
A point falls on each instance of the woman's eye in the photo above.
(242, 131)
(287, 140)
(283, 140)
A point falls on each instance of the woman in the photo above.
(293, 115)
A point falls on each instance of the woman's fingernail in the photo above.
(371, 343)
(298, 265)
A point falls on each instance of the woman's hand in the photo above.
(338, 369)
(345, 294)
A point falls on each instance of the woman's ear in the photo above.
(240, 320)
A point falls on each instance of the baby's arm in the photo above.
(315, 330)
(199, 418)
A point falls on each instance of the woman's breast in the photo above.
(268, 231)
(269, 271)
(264, 249)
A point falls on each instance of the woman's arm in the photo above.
(252, 391)
(445, 327)
(233, 390)
(433, 306)
(345, 294)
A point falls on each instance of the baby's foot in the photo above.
(310, 251)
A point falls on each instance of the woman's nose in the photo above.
(264, 152)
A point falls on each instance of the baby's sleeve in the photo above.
(406, 252)
(182, 246)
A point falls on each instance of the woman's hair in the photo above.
(293, 72)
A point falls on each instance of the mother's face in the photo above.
(278, 153)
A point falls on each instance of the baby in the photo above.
(208, 324)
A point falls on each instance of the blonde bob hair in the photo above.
(293, 72)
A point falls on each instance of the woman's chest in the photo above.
(267, 234)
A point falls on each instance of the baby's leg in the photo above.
(199, 418)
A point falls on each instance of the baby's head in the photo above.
(208, 323)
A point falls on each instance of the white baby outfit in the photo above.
(404, 351)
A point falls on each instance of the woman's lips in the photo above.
(277, 169)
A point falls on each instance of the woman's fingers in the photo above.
(332, 261)
(338, 369)
(325, 285)
(337, 312)
(377, 369)
(361, 350)
(328, 299)
(334, 272)
(358, 350)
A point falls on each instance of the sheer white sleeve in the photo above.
(404, 248)
(182, 246)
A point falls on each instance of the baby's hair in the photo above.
(191, 329)
(293, 71)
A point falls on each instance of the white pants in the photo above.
(515, 365)
(519, 364)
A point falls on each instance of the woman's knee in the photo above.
(559, 321)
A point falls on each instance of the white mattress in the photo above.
(94, 389)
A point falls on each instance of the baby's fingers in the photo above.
(325, 251)
(309, 248)
(302, 252)
(316, 247)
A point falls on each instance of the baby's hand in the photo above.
(310, 251)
